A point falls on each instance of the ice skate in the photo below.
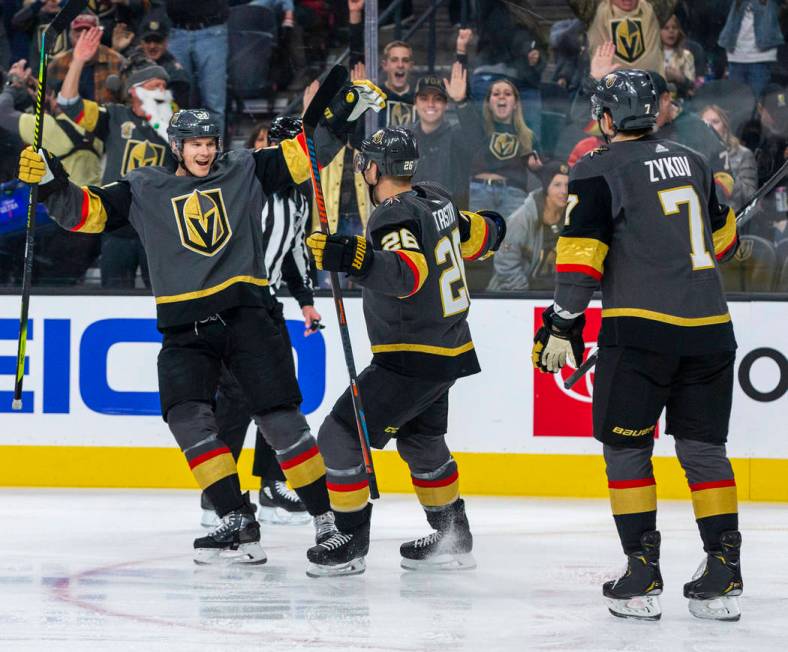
(236, 540)
(325, 527)
(209, 518)
(280, 505)
(448, 548)
(715, 587)
(635, 593)
(342, 553)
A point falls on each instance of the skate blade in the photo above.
(209, 519)
(645, 607)
(280, 516)
(246, 554)
(354, 567)
(440, 563)
(723, 608)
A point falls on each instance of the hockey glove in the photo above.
(42, 168)
(351, 103)
(558, 341)
(340, 253)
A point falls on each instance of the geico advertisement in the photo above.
(91, 377)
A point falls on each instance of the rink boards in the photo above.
(92, 416)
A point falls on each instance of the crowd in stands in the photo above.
(500, 120)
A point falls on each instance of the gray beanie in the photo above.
(141, 75)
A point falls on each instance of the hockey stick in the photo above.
(59, 23)
(745, 214)
(331, 85)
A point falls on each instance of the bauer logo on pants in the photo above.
(202, 221)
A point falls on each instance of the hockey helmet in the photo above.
(630, 96)
(193, 123)
(393, 149)
(284, 127)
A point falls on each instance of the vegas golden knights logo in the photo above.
(504, 146)
(628, 38)
(202, 221)
(141, 154)
(399, 114)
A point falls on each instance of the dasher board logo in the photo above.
(399, 114)
(627, 35)
(141, 154)
(504, 145)
(560, 412)
(202, 221)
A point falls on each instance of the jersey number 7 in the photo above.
(672, 201)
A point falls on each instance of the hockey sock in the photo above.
(265, 464)
(439, 487)
(633, 493)
(713, 487)
(210, 460)
(348, 490)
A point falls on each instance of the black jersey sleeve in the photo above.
(584, 241)
(399, 266)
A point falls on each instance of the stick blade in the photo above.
(63, 18)
(332, 83)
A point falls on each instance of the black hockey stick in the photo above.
(745, 214)
(332, 84)
(59, 23)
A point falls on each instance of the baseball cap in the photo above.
(155, 26)
(431, 83)
(85, 21)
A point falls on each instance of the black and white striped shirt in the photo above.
(285, 218)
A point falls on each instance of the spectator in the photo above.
(62, 257)
(289, 69)
(258, 137)
(198, 41)
(510, 46)
(134, 135)
(568, 43)
(741, 159)
(112, 13)
(505, 149)
(750, 37)
(679, 62)
(526, 260)
(632, 25)
(767, 136)
(154, 40)
(397, 64)
(105, 62)
(444, 150)
(685, 127)
(32, 19)
(703, 21)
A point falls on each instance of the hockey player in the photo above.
(201, 228)
(410, 266)
(644, 222)
(285, 216)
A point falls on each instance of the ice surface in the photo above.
(112, 570)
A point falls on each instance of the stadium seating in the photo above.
(253, 37)
(753, 268)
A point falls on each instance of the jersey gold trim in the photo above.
(198, 294)
(423, 348)
(665, 318)
(202, 221)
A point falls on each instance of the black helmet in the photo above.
(193, 123)
(630, 96)
(394, 150)
(284, 127)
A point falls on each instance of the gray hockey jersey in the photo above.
(643, 221)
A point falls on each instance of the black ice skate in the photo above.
(342, 553)
(281, 505)
(635, 593)
(236, 540)
(715, 586)
(448, 548)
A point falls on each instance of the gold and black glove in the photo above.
(351, 103)
(557, 342)
(340, 253)
(42, 168)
